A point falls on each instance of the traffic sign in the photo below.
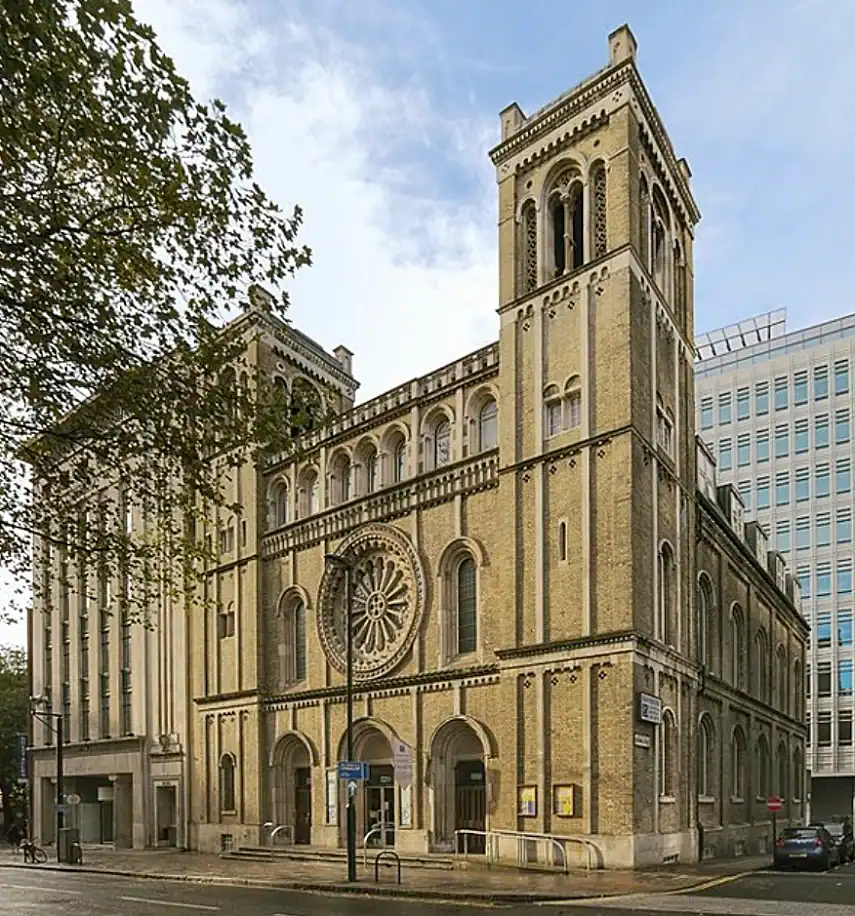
(774, 803)
(353, 770)
(402, 754)
(72, 799)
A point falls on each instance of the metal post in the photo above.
(60, 794)
(351, 812)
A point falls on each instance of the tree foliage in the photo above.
(130, 225)
(14, 712)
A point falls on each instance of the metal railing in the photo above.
(289, 832)
(264, 828)
(377, 828)
(493, 844)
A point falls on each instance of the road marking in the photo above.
(713, 882)
(31, 887)
(183, 906)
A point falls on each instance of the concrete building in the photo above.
(776, 407)
(561, 618)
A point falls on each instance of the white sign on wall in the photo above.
(649, 708)
(402, 754)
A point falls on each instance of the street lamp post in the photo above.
(60, 792)
(348, 643)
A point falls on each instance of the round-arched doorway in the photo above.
(459, 785)
(376, 799)
(292, 787)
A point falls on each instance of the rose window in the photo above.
(387, 588)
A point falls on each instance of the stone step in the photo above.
(332, 856)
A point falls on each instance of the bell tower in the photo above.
(597, 443)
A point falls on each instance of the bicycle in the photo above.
(32, 853)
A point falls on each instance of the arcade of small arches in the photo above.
(384, 460)
(449, 790)
(786, 691)
(755, 776)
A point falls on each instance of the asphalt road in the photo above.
(48, 893)
(764, 893)
(39, 892)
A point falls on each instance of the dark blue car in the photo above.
(806, 847)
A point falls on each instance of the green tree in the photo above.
(130, 229)
(14, 712)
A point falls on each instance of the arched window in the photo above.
(783, 775)
(668, 755)
(761, 754)
(661, 241)
(488, 425)
(277, 505)
(226, 622)
(292, 644)
(227, 783)
(341, 479)
(681, 293)
(705, 622)
(706, 762)
(553, 412)
(562, 541)
(528, 248)
(737, 647)
(761, 665)
(573, 403)
(798, 690)
(599, 205)
(644, 223)
(305, 406)
(666, 594)
(309, 493)
(399, 462)
(798, 774)
(783, 693)
(737, 764)
(371, 471)
(441, 443)
(467, 607)
(567, 223)
(664, 427)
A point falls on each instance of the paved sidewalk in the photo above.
(475, 884)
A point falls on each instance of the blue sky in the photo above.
(377, 115)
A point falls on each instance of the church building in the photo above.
(561, 625)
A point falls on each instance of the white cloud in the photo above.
(404, 272)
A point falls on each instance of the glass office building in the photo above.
(776, 409)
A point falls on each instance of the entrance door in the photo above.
(106, 821)
(303, 806)
(380, 805)
(470, 805)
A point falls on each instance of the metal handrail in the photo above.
(277, 829)
(377, 828)
(555, 840)
(264, 827)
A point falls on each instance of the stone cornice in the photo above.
(607, 82)
(464, 477)
(389, 686)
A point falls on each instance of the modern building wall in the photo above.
(776, 408)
